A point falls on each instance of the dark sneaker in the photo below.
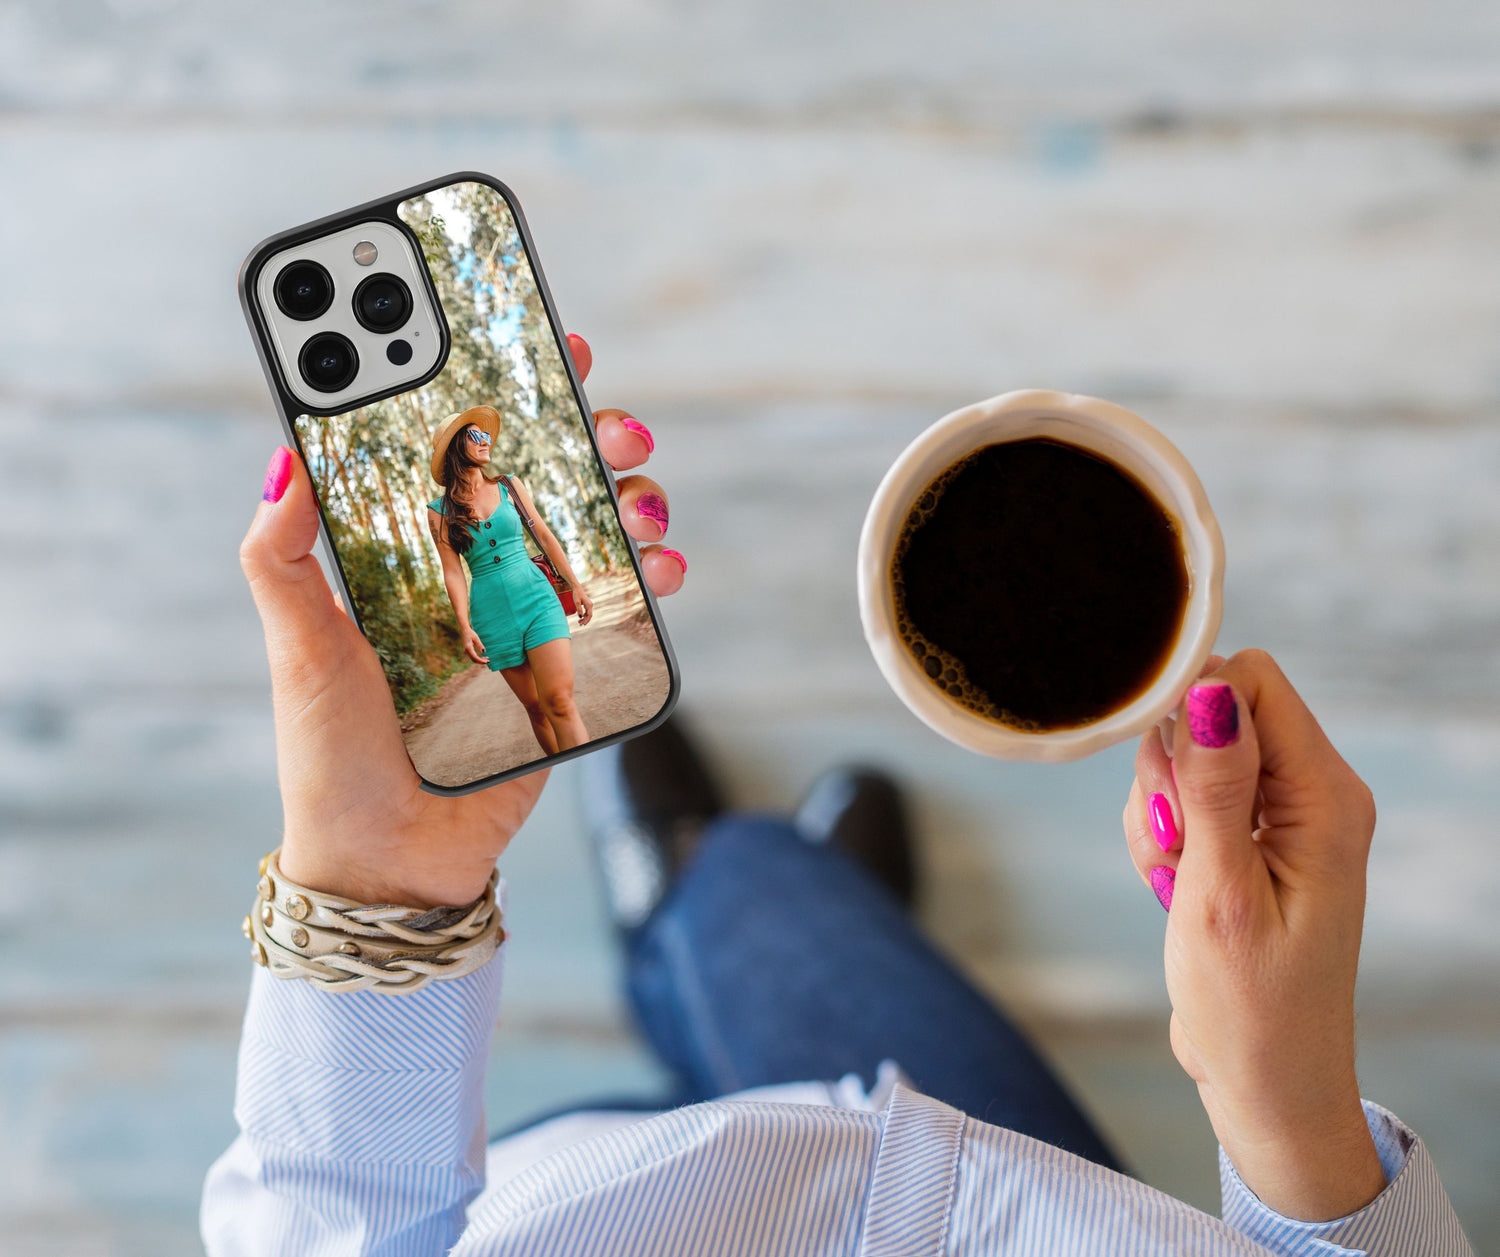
(643, 804)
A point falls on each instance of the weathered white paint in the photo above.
(795, 235)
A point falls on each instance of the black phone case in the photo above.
(291, 409)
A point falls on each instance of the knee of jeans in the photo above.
(744, 854)
(748, 832)
(744, 840)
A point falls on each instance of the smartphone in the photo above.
(418, 364)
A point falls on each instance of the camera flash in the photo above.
(365, 253)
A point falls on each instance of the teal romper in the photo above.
(512, 605)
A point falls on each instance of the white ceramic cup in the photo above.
(1111, 432)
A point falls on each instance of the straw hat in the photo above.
(486, 417)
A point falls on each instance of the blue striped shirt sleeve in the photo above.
(1412, 1217)
(361, 1120)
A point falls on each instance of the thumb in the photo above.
(290, 590)
(1216, 768)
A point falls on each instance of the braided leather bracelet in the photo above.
(342, 945)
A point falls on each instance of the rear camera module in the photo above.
(382, 303)
(328, 362)
(304, 290)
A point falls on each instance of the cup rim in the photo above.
(1112, 432)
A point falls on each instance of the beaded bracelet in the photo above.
(342, 945)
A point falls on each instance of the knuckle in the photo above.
(1361, 811)
(1144, 853)
(1225, 916)
(1255, 659)
(252, 557)
(1131, 813)
(1213, 792)
(1259, 664)
(1143, 754)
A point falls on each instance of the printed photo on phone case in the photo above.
(475, 529)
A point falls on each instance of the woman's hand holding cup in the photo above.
(1265, 890)
(1264, 833)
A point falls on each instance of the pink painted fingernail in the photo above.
(1162, 881)
(1163, 823)
(653, 506)
(674, 554)
(1213, 716)
(641, 430)
(278, 474)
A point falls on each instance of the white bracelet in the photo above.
(343, 945)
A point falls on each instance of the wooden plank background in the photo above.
(795, 234)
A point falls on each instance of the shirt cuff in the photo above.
(366, 1075)
(1411, 1217)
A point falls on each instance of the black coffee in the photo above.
(1039, 585)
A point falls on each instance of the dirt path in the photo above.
(477, 727)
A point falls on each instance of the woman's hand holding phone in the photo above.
(356, 821)
(1266, 833)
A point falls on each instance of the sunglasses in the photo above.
(478, 435)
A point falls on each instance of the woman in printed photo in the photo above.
(509, 615)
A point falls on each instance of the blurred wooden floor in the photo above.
(795, 235)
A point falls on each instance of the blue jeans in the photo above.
(773, 960)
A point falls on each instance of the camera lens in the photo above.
(328, 362)
(303, 290)
(382, 303)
